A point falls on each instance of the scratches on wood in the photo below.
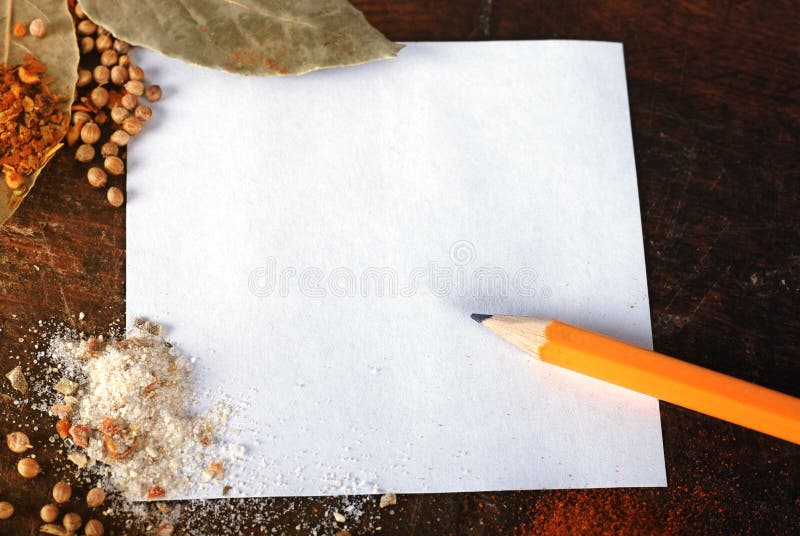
(484, 28)
(52, 259)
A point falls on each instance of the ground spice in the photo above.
(133, 415)
(31, 124)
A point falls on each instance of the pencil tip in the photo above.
(479, 318)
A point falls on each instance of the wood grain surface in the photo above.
(714, 99)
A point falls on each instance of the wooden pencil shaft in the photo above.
(654, 374)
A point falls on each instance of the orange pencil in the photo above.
(651, 373)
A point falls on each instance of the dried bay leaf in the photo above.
(58, 50)
(259, 37)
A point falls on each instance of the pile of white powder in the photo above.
(146, 389)
(128, 411)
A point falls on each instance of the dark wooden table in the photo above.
(716, 120)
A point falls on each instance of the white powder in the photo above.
(135, 397)
(58, 353)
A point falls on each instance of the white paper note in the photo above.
(318, 243)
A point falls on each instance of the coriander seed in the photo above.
(115, 197)
(94, 528)
(18, 442)
(84, 77)
(109, 148)
(103, 42)
(119, 75)
(101, 117)
(86, 27)
(95, 497)
(132, 126)
(62, 492)
(6, 509)
(129, 101)
(99, 96)
(80, 118)
(49, 513)
(84, 153)
(55, 530)
(136, 72)
(96, 177)
(103, 31)
(143, 113)
(120, 137)
(124, 60)
(79, 11)
(38, 28)
(109, 57)
(122, 47)
(119, 113)
(87, 44)
(101, 74)
(72, 522)
(28, 468)
(90, 133)
(114, 165)
(134, 87)
(153, 93)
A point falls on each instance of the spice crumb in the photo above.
(65, 386)
(79, 459)
(388, 499)
(19, 30)
(17, 379)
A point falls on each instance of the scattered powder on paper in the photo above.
(127, 410)
(129, 420)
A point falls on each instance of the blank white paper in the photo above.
(318, 244)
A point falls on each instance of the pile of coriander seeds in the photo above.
(110, 105)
